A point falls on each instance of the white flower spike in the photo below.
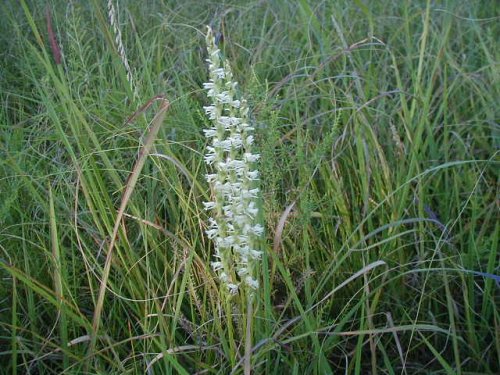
(233, 178)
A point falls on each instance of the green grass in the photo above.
(377, 125)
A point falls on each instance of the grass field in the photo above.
(377, 126)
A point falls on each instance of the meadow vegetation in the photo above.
(377, 128)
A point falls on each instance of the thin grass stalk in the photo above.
(247, 365)
(58, 277)
(113, 20)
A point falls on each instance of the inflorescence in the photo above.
(233, 226)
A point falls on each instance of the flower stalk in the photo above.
(113, 20)
(232, 225)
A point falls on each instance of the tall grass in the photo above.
(377, 126)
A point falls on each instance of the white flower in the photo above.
(217, 266)
(211, 177)
(236, 164)
(228, 121)
(219, 72)
(210, 111)
(242, 271)
(209, 205)
(251, 282)
(240, 219)
(250, 158)
(233, 288)
(225, 242)
(246, 127)
(210, 132)
(212, 233)
(251, 210)
(209, 159)
(255, 254)
(224, 144)
(252, 193)
(258, 229)
(253, 175)
(235, 103)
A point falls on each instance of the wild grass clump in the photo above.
(374, 225)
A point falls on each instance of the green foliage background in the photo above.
(377, 123)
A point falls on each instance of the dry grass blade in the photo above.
(131, 182)
(279, 229)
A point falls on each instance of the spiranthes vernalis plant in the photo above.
(233, 223)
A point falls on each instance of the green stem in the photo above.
(248, 335)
